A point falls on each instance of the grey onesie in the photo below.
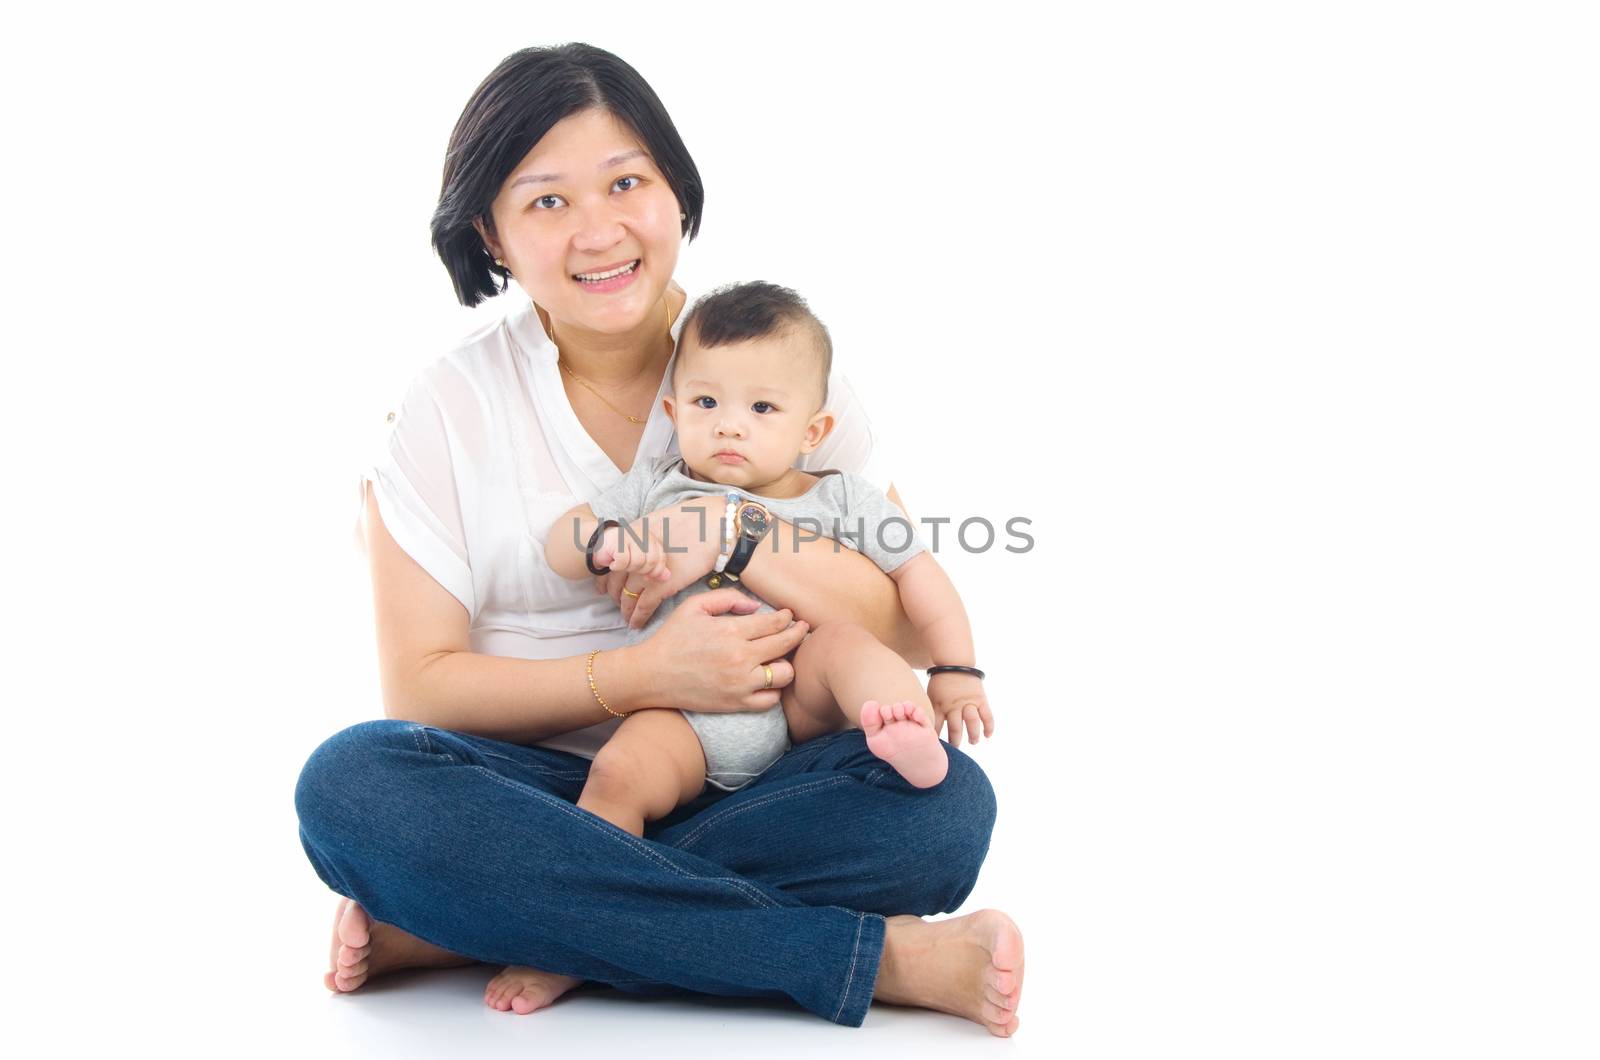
(841, 505)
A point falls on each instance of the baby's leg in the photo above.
(843, 674)
(650, 766)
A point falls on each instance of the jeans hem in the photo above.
(862, 978)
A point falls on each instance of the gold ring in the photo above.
(627, 592)
(767, 669)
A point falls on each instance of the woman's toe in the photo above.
(999, 1000)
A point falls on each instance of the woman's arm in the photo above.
(430, 676)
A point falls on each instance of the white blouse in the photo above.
(482, 457)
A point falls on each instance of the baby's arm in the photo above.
(620, 547)
(933, 605)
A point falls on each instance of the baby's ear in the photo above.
(820, 427)
(672, 413)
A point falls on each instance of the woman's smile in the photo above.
(612, 278)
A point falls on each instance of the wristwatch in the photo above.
(753, 521)
(749, 523)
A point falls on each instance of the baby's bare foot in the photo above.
(899, 734)
(524, 990)
(363, 948)
(970, 966)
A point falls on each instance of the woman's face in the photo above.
(588, 226)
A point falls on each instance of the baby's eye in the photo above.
(706, 397)
(548, 202)
(760, 405)
(625, 184)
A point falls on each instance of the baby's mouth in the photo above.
(607, 274)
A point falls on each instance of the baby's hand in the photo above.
(621, 551)
(959, 702)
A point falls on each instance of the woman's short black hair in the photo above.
(516, 105)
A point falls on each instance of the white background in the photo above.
(1279, 322)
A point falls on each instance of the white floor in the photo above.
(430, 1014)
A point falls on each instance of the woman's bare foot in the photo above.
(362, 948)
(524, 990)
(899, 734)
(970, 966)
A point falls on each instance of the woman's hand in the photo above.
(708, 656)
(686, 537)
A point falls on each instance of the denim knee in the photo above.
(339, 773)
(964, 814)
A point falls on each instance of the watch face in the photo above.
(752, 520)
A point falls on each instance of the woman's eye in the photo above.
(625, 184)
(548, 202)
(760, 405)
(699, 400)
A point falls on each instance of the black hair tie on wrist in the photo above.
(973, 670)
(594, 541)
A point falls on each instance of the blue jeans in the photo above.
(778, 890)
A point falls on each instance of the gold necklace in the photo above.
(596, 393)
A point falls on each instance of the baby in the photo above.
(749, 382)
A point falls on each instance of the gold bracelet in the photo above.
(596, 691)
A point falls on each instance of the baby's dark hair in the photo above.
(740, 312)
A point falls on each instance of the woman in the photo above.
(449, 827)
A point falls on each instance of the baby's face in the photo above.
(745, 412)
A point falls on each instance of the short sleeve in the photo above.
(413, 480)
(851, 445)
(624, 500)
(880, 530)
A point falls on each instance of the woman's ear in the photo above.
(818, 429)
(490, 244)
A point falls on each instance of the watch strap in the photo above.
(737, 562)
